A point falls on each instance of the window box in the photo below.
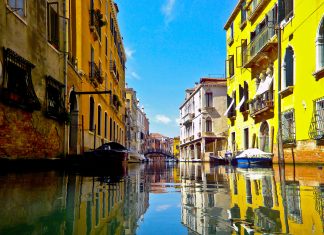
(287, 91)
(319, 74)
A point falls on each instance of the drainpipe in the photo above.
(280, 148)
(65, 72)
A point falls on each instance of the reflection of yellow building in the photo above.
(96, 65)
(263, 203)
(252, 71)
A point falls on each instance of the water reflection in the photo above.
(162, 198)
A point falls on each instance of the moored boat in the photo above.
(253, 157)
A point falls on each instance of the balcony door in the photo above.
(264, 137)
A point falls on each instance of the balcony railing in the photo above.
(95, 73)
(96, 23)
(187, 119)
(208, 134)
(113, 68)
(258, 46)
(262, 103)
(256, 7)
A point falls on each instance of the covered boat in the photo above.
(253, 156)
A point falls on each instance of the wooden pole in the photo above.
(82, 134)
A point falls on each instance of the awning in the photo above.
(264, 85)
(229, 107)
(240, 104)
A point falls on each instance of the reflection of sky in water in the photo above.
(162, 216)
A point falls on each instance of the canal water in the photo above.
(165, 198)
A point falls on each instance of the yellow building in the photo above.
(96, 75)
(252, 71)
(176, 147)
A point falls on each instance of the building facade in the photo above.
(32, 79)
(203, 127)
(96, 75)
(137, 123)
(257, 75)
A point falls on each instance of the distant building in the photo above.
(157, 141)
(176, 147)
(137, 123)
(203, 127)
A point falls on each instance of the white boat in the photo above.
(254, 156)
(135, 157)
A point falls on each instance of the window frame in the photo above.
(55, 42)
(15, 9)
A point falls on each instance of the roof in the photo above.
(233, 15)
(204, 81)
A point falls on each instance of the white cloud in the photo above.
(129, 53)
(162, 207)
(168, 9)
(135, 76)
(178, 120)
(160, 118)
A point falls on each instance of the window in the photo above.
(106, 124)
(231, 65)
(320, 47)
(18, 6)
(232, 31)
(288, 9)
(53, 24)
(110, 129)
(233, 141)
(288, 127)
(209, 99)
(243, 12)
(264, 137)
(99, 120)
(320, 118)
(246, 138)
(244, 52)
(17, 88)
(54, 98)
(106, 48)
(209, 127)
(288, 68)
(92, 63)
(91, 115)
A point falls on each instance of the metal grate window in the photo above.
(288, 127)
(316, 130)
(320, 117)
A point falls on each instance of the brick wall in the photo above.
(306, 151)
(29, 135)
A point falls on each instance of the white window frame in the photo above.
(319, 44)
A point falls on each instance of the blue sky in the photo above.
(170, 45)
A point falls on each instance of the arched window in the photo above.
(106, 125)
(320, 46)
(110, 129)
(288, 68)
(91, 113)
(264, 137)
(99, 120)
